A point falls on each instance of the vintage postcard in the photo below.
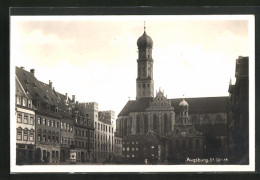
(132, 93)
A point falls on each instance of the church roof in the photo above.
(201, 105)
(144, 41)
(135, 106)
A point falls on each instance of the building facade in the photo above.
(55, 122)
(162, 115)
(104, 135)
(185, 141)
(25, 126)
(117, 154)
(84, 133)
(238, 114)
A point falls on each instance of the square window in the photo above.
(31, 120)
(30, 104)
(19, 135)
(24, 102)
(19, 118)
(39, 120)
(25, 136)
(31, 136)
(25, 119)
(19, 100)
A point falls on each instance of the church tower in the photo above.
(144, 81)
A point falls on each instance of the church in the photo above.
(155, 129)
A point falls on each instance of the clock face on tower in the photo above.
(183, 133)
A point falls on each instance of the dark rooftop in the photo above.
(200, 105)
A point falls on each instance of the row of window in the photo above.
(47, 122)
(23, 102)
(133, 149)
(47, 138)
(82, 133)
(118, 141)
(103, 127)
(133, 142)
(105, 147)
(66, 126)
(25, 134)
(148, 85)
(103, 137)
(82, 144)
(129, 155)
(25, 118)
(66, 141)
(54, 154)
(84, 121)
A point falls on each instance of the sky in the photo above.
(95, 57)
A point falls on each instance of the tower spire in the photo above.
(144, 26)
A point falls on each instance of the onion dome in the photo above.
(144, 41)
(183, 103)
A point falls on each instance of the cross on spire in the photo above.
(144, 26)
(183, 97)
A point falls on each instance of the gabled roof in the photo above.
(200, 105)
(42, 92)
(19, 89)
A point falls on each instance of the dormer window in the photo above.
(70, 111)
(48, 107)
(24, 102)
(56, 109)
(19, 100)
(29, 103)
(38, 104)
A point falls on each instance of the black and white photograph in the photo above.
(139, 93)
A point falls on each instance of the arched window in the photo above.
(138, 123)
(165, 123)
(145, 124)
(155, 122)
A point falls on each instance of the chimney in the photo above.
(50, 84)
(32, 71)
(73, 98)
(22, 67)
(66, 97)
